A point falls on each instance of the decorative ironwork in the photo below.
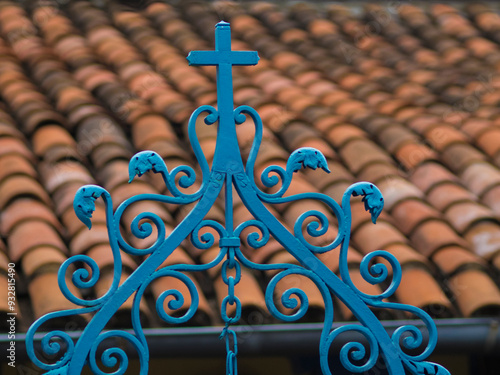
(228, 171)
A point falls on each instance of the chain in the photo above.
(230, 264)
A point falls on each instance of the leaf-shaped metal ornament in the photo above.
(145, 161)
(84, 202)
(306, 157)
(372, 198)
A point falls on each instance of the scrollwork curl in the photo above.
(378, 273)
(415, 338)
(142, 231)
(49, 344)
(82, 279)
(315, 228)
(113, 356)
(210, 119)
(351, 351)
(207, 239)
(291, 297)
(178, 299)
(288, 299)
(254, 239)
(176, 303)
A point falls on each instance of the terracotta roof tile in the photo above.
(419, 288)
(396, 189)
(484, 238)
(341, 134)
(369, 237)
(392, 137)
(476, 293)
(26, 209)
(42, 259)
(433, 235)
(406, 255)
(463, 215)
(408, 214)
(55, 176)
(490, 199)
(88, 86)
(30, 234)
(453, 258)
(429, 175)
(378, 171)
(50, 136)
(14, 164)
(489, 141)
(46, 297)
(358, 153)
(460, 156)
(441, 136)
(448, 193)
(480, 177)
(21, 186)
(10, 145)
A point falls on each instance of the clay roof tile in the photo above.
(462, 215)
(480, 177)
(489, 141)
(42, 259)
(30, 234)
(476, 293)
(433, 235)
(484, 237)
(369, 237)
(25, 209)
(21, 186)
(358, 153)
(45, 297)
(49, 136)
(410, 213)
(15, 164)
(452, 258)
(459, 156)
(429, 175)
(419, 288)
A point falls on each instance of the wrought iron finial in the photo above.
(228, 171)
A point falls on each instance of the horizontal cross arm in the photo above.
(219, 57)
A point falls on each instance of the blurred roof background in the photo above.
(402, 95)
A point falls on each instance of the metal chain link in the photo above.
(230, 264)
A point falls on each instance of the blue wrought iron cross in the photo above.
(228, 170)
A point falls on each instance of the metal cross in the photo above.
(224, 58)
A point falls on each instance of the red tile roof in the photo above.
(410, 104)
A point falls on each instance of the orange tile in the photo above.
(419, 288)
(433, 235)
(475, 292)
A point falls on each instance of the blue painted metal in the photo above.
(228, 171)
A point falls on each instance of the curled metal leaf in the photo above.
(145, 161)
(84, 202)
(372, 198)
(306, 157)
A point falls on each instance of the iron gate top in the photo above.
(228, 171)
